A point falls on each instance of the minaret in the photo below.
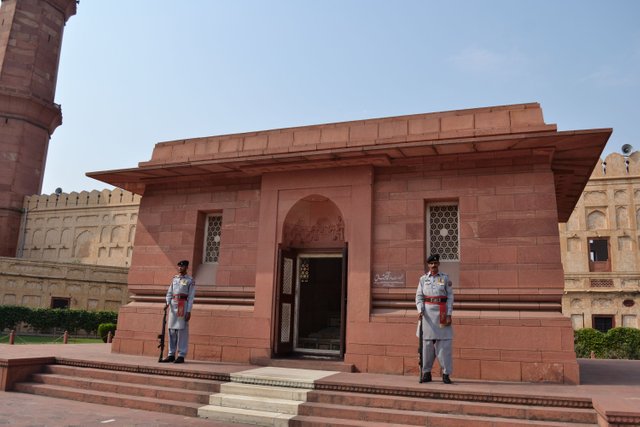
(30, 41)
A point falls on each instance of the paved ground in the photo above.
(614, 384)
(27, 410)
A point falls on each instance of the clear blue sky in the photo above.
(139, 72)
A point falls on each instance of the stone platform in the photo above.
(610, 388)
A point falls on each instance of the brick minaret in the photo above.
(30, 41)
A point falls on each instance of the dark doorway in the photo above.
(58, 302)
(319, 304)
(602, 323)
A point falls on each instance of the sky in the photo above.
(139, 72)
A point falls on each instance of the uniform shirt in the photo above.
(437, 285)
(180, 285)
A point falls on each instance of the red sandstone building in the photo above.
(311, 240)
(30, 42)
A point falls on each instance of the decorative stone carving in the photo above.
(622, 218)
(595, 198)
(620, 196)
(596, 220)
(314, 221)
(601, 303)
(576, 303)
(324, 230)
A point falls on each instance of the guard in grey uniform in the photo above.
(180, 295)
(434, 300)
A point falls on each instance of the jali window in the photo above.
(442, 231)
(212, 239)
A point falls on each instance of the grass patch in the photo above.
(40, 339)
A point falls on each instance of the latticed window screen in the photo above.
(443, 232)
(212, 239)
(601, 283)
(285, 330)
(303, 273)
(287, 276)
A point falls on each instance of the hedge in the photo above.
(44, 319)
(104, 329)
(616, 343)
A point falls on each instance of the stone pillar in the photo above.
(30, 41)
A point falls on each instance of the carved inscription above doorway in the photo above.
(324, 230)
(314, 222)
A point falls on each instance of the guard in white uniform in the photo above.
(180, 295)
(434, 300)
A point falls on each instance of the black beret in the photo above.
(183, 263)
(434, 258)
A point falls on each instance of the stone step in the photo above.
(280, 377)
(446, 406)
(439, 420)
(408, 417)
(307, 363)
(158, 392)
(113, 399)
(246, 416)
(274, 392)
(283, 406)
(310, 421)
(180, 382)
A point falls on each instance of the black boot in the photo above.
(446, 379)
(180, 359)
(426, 377)
(168, 359)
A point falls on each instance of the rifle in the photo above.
(420, 344)
(162, 334)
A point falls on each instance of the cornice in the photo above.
(67, 7)
(18, 106)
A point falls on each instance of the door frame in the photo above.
(315, 254)
(277, 350)
(278, 347)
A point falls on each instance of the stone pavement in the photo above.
(28, 410)
(613, 385)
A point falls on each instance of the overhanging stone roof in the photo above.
(377, 142)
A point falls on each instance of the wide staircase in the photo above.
(159, 393)
(297, 397)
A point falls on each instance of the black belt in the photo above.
(181, 296)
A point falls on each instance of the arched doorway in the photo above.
(312, 288)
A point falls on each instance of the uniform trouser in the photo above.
(179, 338)
(441, 349)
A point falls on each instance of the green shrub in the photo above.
(587, 340)
(617, 343)
(11, 316)
(104, 329)
(622, 343)
(45, 319)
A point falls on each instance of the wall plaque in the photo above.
(389, 279)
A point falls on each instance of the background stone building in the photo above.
(600, 248)
(74, 251)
